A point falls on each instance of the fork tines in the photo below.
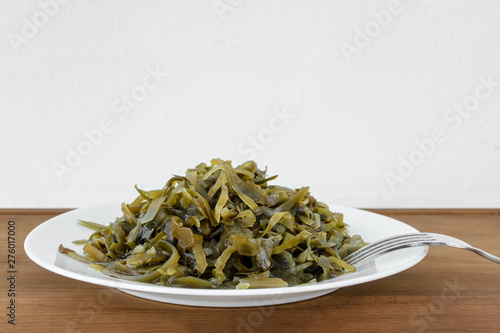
(387, 245)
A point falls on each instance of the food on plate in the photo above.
(221, 226)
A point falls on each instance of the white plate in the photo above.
(42, 243)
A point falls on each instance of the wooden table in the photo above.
(449, 291)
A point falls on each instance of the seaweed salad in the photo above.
(221, 226)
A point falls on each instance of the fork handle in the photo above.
(454, 242)
(483, 254)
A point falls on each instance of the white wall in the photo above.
(354, 104)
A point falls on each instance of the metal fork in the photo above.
(403, 241)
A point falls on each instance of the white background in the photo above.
(228, 67)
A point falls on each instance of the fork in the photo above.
(403, 241)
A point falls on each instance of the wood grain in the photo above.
(449, 291)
